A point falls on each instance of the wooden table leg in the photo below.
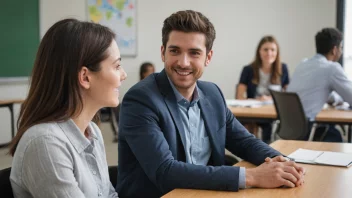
(252, 128)
(10, 106)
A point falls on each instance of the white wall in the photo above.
(239, 25)
(347, 45)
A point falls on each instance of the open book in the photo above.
(322, 157)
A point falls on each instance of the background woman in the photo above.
(264, 73)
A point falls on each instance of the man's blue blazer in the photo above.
(151, 157)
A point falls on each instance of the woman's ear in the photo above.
(84, 78)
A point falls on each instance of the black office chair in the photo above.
(294, 125)
(5, 185)
(111, 115)
(113, 171)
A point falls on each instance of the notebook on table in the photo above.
(322, 157)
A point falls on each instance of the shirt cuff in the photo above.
(242, 179)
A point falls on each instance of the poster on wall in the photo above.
(120, 16)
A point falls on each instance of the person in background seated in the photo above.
(316, 78)
(145, 70)
(264, 73)
(58, 150)
(175, 128)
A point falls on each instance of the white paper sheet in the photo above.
(322, 157)
(335, 158)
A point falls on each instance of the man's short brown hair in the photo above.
(189, 21)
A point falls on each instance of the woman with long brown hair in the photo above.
(58, 151)
(264, 73)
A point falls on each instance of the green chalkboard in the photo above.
(19, 37)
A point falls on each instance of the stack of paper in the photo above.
(344, 106)
(322, 157)
(247, 103)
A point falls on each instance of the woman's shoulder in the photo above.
(247, 69)
(39, 134)
(284, 65)
(37, 138)
(284, 68)
(43, 129)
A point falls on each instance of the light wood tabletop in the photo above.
(320, 181)
(268, 111)
(14, 101)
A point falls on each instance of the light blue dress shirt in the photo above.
(195, 139)
(314, 80)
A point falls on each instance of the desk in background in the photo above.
(320, 181)
(268, 113)
(9, 104)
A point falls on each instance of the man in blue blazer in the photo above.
(174, 128)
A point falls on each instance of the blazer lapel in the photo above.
(210, 123)
(171, 103)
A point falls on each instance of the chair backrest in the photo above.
(6, 189)
(5, 184)
(113, 175)
(294, 125)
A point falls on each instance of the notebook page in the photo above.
(335, 158)
(305, 155)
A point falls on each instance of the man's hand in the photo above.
(281, 158)
(273, 174)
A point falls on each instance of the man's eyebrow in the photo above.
(191, 49)
(174, 46)
(195, 49)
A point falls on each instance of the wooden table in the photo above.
(9, 104)
(268, 113)
(320, 181)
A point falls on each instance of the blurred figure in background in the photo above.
(316, 78)
(264, 73)
(145, 70)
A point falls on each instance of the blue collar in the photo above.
(182, 100)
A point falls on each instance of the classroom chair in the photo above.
(113, 171)
(293, 123)
(5, 185)
(6, 189)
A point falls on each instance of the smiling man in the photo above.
(174, 128)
